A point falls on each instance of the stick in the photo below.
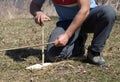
(43, 47)
(27, 46)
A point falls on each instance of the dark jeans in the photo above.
(99, 22)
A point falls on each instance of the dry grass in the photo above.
(21, 32)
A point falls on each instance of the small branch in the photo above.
(27, 46)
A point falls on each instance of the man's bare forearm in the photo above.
(76, 23)
(79, 18)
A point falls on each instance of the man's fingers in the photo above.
(45, 19)
(61, 40)
(37, 20)
(40, 19)
(48, 18)
(57, 43)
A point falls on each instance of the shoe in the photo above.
(95, 58)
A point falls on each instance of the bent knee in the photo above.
(109, 12)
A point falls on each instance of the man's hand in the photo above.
(41, 17)
(61, 40)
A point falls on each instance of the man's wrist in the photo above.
(37, 13)
(68, 35)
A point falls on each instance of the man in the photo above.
(76, 19)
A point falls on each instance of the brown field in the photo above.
(22, 32)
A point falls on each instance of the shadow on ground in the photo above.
(22, 54)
